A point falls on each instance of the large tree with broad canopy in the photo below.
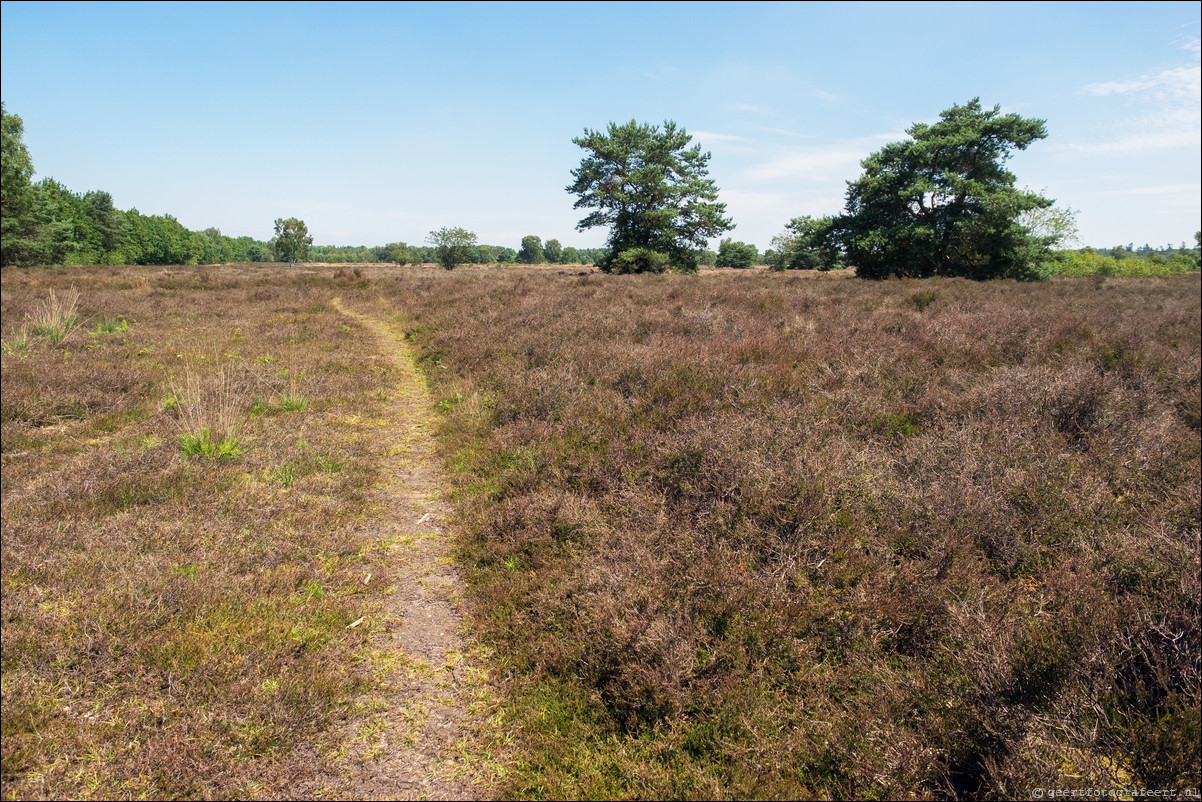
(943, 203)
(650, 188)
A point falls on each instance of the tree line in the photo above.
(63, 227)
(533, 251)
(1145, 261)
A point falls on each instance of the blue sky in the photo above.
(380, 122)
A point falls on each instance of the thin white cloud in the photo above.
(763, 215)
(810, 163)
(1166, 114)
(305, 205)
(1174, 82)
(712, 136)
(1135, 143)
(658, 73)
(1167, 199)
(782, 131)
(818, 93)
(1166, 189)
(836, 160)
(751, 203)
(1090, 180)
(749, 107)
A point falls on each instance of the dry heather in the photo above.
(728, 535)
(766, 536)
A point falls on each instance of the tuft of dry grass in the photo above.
(56, 317)
(211, 411)
(17, 340)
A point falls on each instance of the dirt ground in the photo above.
(413, 742)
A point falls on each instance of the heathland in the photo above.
(732, 535)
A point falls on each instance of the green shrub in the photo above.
(738, 255)
(1088, 262)
(921, 300)
(637, 260)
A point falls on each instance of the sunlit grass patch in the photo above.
(110, 326)
(285, 475)
(294, 403)
(211, 414)
(206, 445)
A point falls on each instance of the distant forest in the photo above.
(61, 227)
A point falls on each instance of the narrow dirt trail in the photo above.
(412, 742)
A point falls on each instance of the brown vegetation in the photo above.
(763, 536)
(731, 535)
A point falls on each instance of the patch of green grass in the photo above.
(205, 445)
(447, 405)
(329, 462)
(284, 475)
(200, 659)
(294, 403)
(110, 326)
(900, 424)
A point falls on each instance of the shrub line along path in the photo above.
(414, 740)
